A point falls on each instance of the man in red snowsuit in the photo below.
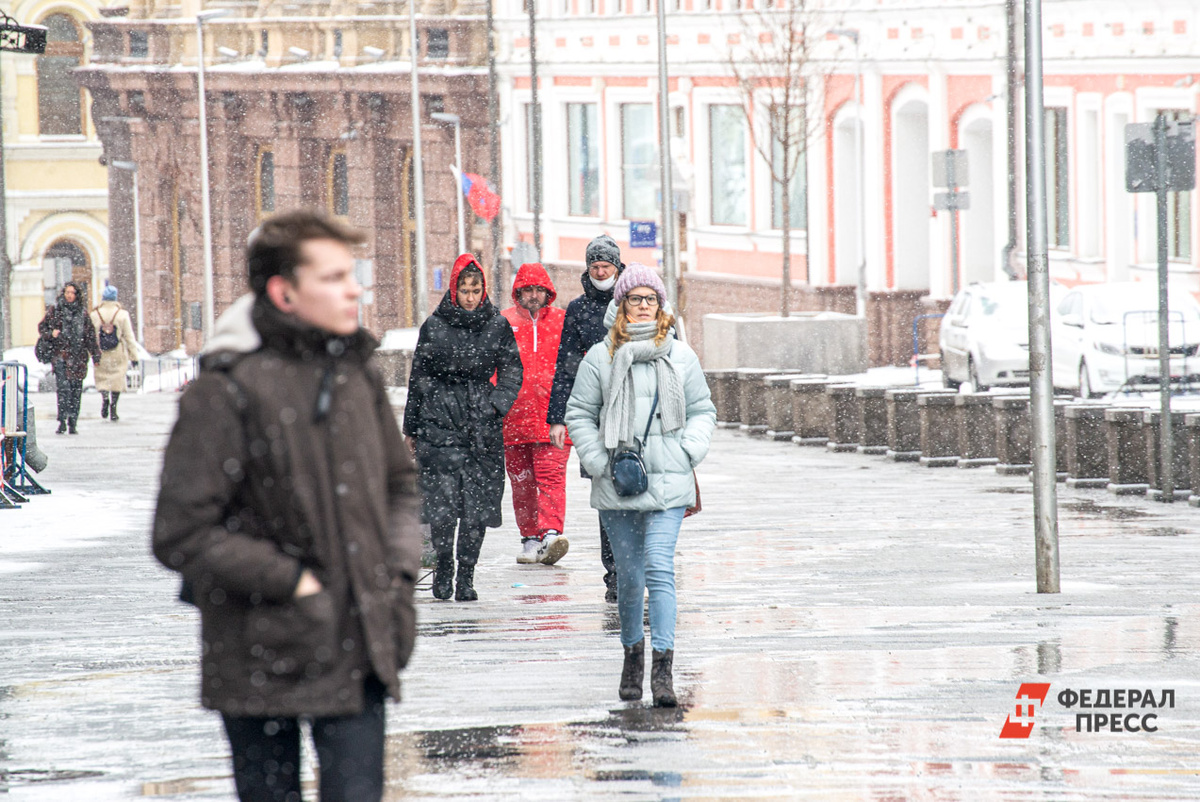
(536, 468)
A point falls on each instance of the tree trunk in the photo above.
(785, 302)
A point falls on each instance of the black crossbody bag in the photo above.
(627, 470)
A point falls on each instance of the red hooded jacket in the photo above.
(537, 339)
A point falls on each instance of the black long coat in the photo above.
(456, 414)
(76, 340)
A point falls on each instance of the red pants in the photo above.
(538, 472)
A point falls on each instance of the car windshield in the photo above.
(1111, 309)
(1008, 308)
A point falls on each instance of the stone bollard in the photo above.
(1126, 452)
(939, 430)
(872, 420)
(976, 429)
(1182, 480)
(843, 417)
(752, 399)
(1087, 445)
(810, 411)
(1011, 414)
(779, 404)
(1192, 423)
(904, 423)
(723, 386)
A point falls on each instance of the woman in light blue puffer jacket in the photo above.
(609, 408)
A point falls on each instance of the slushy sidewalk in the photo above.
(849, 628)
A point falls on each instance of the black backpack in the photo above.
(108, 332)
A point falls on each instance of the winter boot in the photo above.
(62, 427)
(112, 415)
(464, 588)
(71, 426)
(633, 672)
(104, 403)
(660, 678)
(443, 577)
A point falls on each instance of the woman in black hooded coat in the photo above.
(465, 376)
(68, 327)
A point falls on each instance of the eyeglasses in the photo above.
(642, 300)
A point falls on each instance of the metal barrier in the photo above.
(161, 374)
(917, 355)
(15, 482)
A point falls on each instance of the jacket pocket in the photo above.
(294, 639)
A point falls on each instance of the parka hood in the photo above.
(461, 264)
(533, 274)
(234, 330)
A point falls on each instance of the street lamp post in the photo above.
(420, 285)
(137, 244)
(456, 121)
(664, 147)
(205, 198)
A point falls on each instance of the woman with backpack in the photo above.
(118, 348)
(69, 338)
(642, 419)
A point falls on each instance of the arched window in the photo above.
(265, 183)
(60, 106)
(70, 263)
(338, 184)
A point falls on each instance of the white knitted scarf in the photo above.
(617, 419)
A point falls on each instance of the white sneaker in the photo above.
(554, 548)
(529, 551)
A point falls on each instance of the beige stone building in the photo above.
(57, 190)
(308, 105)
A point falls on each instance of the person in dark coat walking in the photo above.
(583, 328)
(69, 327)
(466, 374)
(289, 504)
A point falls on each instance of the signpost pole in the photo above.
(1167, 472)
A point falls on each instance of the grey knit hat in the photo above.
(603, 249)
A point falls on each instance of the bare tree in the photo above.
(778, 74)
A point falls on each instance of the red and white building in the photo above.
(933, 78)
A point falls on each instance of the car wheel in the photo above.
(1085, 383)
(973, 372)
(947, 382)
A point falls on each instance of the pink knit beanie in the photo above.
(638, 275)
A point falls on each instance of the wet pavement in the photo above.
(849, 628)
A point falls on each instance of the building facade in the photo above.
(308, 105)
(56, 189)
(932, 77)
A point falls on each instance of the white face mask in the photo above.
(606, 285)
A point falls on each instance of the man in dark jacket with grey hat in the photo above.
(289, 505)
(583, 328)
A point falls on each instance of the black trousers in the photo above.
(69, 392)
(266, 754)
(470, 541)
(607, 559)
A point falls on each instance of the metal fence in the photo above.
(15, 418)
(161, 374)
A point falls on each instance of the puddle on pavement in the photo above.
(32, 776)
(1012, 491)
(1089, 507)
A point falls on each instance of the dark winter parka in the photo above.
(285, 458)
(582, 328)
(455, 412)
(76, 340)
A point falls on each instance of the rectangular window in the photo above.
(1058, 202)
(638, 185)
(795, 168)
(339, 185)
(437, 42)
(1179, 208)
(727, 142)
(266, 183)
(583, 159)
(139, 44)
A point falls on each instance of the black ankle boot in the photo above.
(112, 415)
(466, 579)
(104, 406)
(633, 671)
(62, 427)
(661, 685)
(443, 577)
(71, 427)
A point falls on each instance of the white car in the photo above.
(1105, 338)
(984, 337)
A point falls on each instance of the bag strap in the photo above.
(650, 422)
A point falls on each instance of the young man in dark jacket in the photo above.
(583, 328)
(289, 505)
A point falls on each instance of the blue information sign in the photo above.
(643, 234)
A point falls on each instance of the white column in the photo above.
(939, 226)
(873, 146)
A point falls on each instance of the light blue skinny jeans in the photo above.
(643, 545)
